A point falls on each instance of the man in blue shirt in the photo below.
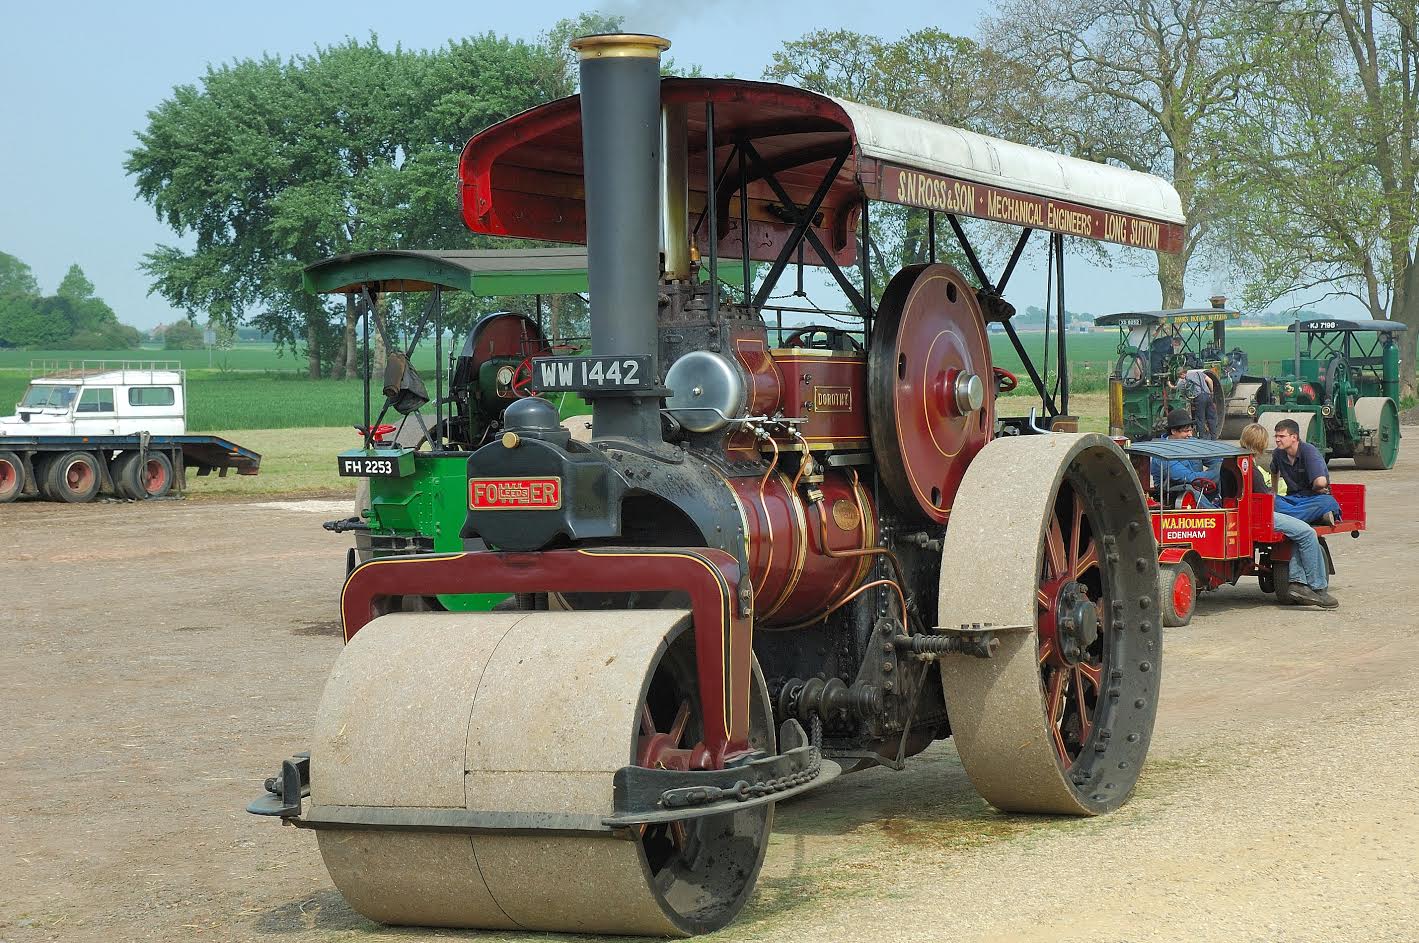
(1180, 472)
(1197, 386)
(1302, 467)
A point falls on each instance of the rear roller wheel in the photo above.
(1049, 540)
(1240, 410)
(530, 713)
(1378, 415)
(12, 477)
(1177, 593)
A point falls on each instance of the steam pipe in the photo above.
(621, 136)
(675, 200)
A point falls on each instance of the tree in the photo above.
(272, 164)
(16, 277)
(1130, 82)
(1322, 156)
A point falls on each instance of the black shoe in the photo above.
(1328, 519)
(1303, 595)
(1327, 601)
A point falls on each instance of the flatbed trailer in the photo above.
(136, 465)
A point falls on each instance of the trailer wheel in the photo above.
(12, 477)
(1050, 541)
(151, 478)
(73, 478)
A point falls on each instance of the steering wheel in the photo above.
(1132, 369)
(522, 379)
(1005, 381)
(830, 338)
(1204, 485)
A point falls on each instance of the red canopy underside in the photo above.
(523, 177)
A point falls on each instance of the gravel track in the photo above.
(160, 659)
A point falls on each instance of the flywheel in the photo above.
(931, 393)
(1050, 542)
(527, 715)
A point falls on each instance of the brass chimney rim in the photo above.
(620, 46)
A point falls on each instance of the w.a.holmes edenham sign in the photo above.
(967, 198)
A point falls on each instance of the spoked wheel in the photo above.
(528, 714)
(1050, 542)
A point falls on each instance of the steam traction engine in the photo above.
(780, 557)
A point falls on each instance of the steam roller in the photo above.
(771, 557)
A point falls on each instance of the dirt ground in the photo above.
(159, 660)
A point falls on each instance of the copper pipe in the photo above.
(901, 600)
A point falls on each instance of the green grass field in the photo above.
(267, 391)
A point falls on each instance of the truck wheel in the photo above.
(1177, 593)
(73, 477)
(12, 477)
(142, 479)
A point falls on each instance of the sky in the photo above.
(80, 79)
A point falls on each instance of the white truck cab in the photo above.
(102, 398)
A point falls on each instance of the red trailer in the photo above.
(1202, 548)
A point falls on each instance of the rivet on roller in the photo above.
(1132, 738)
(1140, 703)
(1144, 602)
(1145, 666)
(1140, 564)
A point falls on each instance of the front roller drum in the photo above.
(527, 715)
(1050, 541)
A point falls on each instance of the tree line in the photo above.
(73, 318)
(1286, 126)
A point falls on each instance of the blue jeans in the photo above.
(1307, 507)
(1307, 561)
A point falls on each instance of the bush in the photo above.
(184, 335)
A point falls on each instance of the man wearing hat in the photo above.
(1174, 474)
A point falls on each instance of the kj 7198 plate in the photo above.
(577, 374)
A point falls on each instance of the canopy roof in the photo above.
(1169, 449)
(485, 272)
(1319, 325)
(523, 176)
(1169, 316)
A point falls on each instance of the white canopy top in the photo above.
(914, 142)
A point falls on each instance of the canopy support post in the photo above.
(438, 364)
(1063, 372)
(712, 211)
